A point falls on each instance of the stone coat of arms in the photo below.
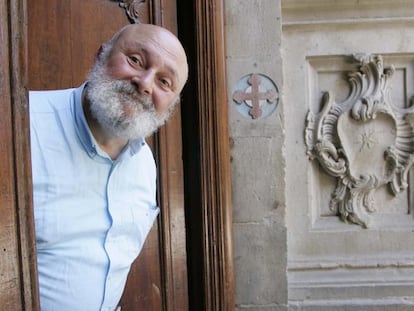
(365, 142)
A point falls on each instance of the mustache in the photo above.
(131, 96)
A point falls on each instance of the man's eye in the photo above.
(136, 60)
(165, 82)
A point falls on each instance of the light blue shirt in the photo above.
(92, 214)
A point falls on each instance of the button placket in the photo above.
(109, 241)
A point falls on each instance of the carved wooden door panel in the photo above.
(64, 36)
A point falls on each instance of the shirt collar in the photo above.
(85, 134)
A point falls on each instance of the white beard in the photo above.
(118, 107)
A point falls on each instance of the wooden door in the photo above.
(64, 36)
(18, 290)
(205, 152)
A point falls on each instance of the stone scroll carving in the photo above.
(365, 142)
(131, 9)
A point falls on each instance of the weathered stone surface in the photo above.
(283, 223)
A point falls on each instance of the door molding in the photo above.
(207, 156)
(16, 187)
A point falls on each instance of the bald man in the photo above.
(94, 176)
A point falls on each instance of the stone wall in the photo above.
(322, 138)
(253, 31)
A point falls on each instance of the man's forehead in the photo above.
(155, 40)
(146, 32)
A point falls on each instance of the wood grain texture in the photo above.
(207, 158)
(18, 280)
(64, 37)
(215, 155)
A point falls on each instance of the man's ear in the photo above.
(99, 53)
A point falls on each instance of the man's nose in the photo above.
(144, 82)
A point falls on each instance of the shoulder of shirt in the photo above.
(144, 152)
(146, 147)
(50, 100)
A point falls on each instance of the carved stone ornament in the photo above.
(131, 9)
(365, 142)
(256, 96)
